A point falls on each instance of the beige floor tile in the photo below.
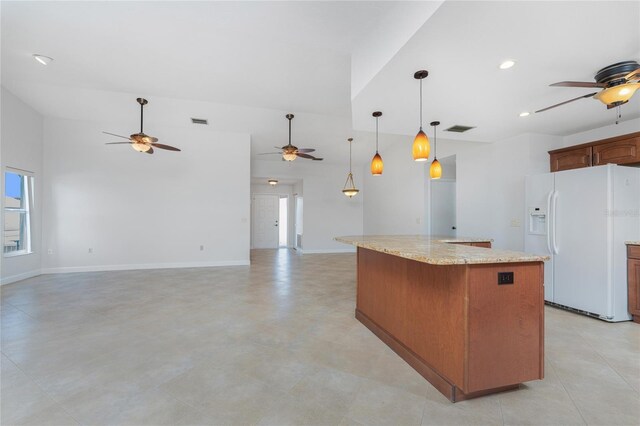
(297, 411)
(329, 388)
(480, 411)
(50, 415)
(379, 404)
(277, 343)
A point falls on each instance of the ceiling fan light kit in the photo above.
(421, 147)
(617, 95)
(141, 142)
(290, 152)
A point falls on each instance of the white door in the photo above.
(580, 242)
(443, 208)
(264, 220)
(537, 222)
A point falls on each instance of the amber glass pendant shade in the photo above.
(377, 165)
(421, 147)
(376, 162)
(436, 169)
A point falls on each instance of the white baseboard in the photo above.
(327, 251)
(20, 277)
(104, 268)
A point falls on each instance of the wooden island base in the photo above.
(454, 324)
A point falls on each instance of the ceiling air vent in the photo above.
(199, 121)
(458, 128)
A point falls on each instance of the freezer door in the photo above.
(579, 239)
(538, 192)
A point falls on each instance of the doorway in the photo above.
(443, 200)
(265, 215)
(283, 221)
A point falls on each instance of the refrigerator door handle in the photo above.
(555, 205)
(549, 221)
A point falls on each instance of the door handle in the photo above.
(555, 205)
(548, 219)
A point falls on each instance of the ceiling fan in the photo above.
(290, 152)
(618, 83)
(139, 141)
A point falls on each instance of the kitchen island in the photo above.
(468, 318)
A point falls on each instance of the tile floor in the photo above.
(270, 344)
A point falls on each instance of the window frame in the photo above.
(28, 183)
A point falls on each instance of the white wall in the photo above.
(327, 212)
(490, 187)
(21, 147)
(624, 127)
(398, 201)
(394, 203)
(281, 189)
(137, 210)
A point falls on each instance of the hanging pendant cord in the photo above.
(420, 104)
(141, 117)
(435, 146)
(376, 135)
(289, 131)
(349, 157)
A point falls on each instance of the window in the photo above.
(18, 203)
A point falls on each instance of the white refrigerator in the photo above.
(581, 219)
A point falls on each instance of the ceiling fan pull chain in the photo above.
(618, 114)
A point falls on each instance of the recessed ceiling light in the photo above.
(44, 60)
(507, 64)
(524, 114)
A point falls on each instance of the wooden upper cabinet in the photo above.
(623, 149)
(571, 159)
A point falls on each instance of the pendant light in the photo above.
(436, 169)
(349, 187)
(376, 163)
(421, 147)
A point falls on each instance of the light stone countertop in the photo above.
(632, 243)
(438, 250)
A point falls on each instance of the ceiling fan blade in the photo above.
(118, 143)
(310, 157)
(317, 159)
(566, 102)
(578, 84)
(150, 151)
(152, 139)
(306, 150)
(120, 136)
(163, 146)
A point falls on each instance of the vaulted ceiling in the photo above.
(243, 65)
